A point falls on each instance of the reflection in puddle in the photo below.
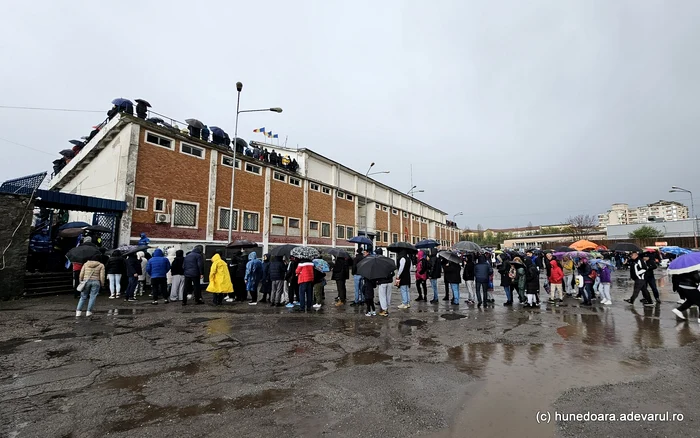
(362, 358)
(219, 326)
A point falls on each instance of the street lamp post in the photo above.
(413, 190)
(239, 88)
(454, 216)
(367, 174)
(675, 189)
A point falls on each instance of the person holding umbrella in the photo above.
(340, 274)
(359, 298)
(403, 279)
(686, 285)
(451, 268)
(422, 276)
(434, 275)
(378, 271)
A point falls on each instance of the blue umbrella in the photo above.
(120, 101)
(73, 225)
(598, 262)
(321, 265)
(685, 264)
(427, 243)
(361, 240)
(674, 250)
(215, 130)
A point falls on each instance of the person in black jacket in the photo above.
(532, 283)
(177, 275)
(637, 272)
(133, 270)
(452, 273)
(340, 275)
(239, 287)
(504, 270)
(116, 267)
(359, 295)
(482, 274)
(468, 277)
(193, 269)
(277, 271)
(266, 281)
(686, 285)
(292, 282)
(434, 274)
(650, 260)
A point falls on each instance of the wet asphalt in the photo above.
(429, 371)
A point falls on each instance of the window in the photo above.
(326, 190)
(350, 232)
(394, 211)
(349, 197)
(377, 206)
(184, 214)
(340, 232)
(405, 215)
(159, 205)
(385, 208)
(325, 229)
(315, 187)
(413, 217)
(313, 228)
(277, 227)
(385, 236)
(394, 238)
(415, 240)
(252, 168)
(228, 161)
(224, 217)
(250, 221)
(294, 223)
(341, 195)
(191, 150)
(294, 181)
(379, 236)
(279, 176)
(158, 140)
(140, 202)
(277, 221)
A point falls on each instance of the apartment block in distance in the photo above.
(178, 191)
(622, 214)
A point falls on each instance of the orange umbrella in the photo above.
(583, 245)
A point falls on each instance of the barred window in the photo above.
(224, 219)
(250, 221)
(141, 202)
(185, 215)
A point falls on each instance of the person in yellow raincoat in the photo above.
(219, 279)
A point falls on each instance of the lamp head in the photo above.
(239, 86)
(276, 110)
(371, 165)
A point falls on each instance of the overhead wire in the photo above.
(36, 108)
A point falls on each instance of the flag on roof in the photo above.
(275, 136)
(260, 130)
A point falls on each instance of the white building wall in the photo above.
(346, 181)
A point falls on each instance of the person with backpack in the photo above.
(556, 276)
(421, 277)
(482, 274)
(434, 274)
(532, 283)
(253, 275)
(505, 271)
(468, 277)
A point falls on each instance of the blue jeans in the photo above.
(405, 298)
(509, 294)
(433, 285)
(359, 296)
(484, 287)
(306, 295)
(455, 292)
(92, 288)
(587, 292)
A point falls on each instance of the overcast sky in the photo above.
(510, 111)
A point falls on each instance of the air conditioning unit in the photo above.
(162, 218)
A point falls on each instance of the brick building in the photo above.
(178, 190)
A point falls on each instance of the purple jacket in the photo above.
(605, 275)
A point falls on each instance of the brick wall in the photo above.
(345, 212)
(11, 214)
(287, 200)
(321, 209)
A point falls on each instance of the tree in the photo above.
(646, 232)
(480, 231)
(580, 226)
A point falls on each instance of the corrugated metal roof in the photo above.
(70, 201)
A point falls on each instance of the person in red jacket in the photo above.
(555, 278)
(305, 274)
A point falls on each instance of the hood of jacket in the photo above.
(266, 257)
(198, 249)
(158, 253)
(140, 255)
(143, 235)
(215, 258)
(252, 256)
(179, 253)
(92, 264)
(553, 263)
(421, 255)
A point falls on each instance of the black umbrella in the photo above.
(77, 224)
(134, 249)
(98, 229)
(143, 102)
(563, 249)
(450, 256)
(70, 232)
(625, 247)
(68, 153)
(401, 246)
(427, 243)
(376, 267)
(155, 120)
(466, 246)
(241, 143)
(305, 252)
(282, 251)
(82, 253)
(194, 123)
(120, 101)
(76, 142)
(242, 244)
(337, 252)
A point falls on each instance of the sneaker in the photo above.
(166, 301)
(296, 303)
(627, 300)
(190, 297)
(408, 305)
(419, 299)
(154, 302)
(383, 313)
(253, 303)
(316, 306)
(88, 313)
(434, 301)
(117, 296)
(368, 314)
(678, 314)
(289, 305)
(111, 297)
(339, 303)
(78, 313)
(403, 306)
(131, 300)
(607, 302)
(228, 299)
(680, 301)
(648, 304)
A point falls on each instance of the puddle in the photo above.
(153, 414)
(362, 358)
(136, 383)
(219, 326)
(452, 316)
(413, 322)
(58, 353)
(199, 320)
